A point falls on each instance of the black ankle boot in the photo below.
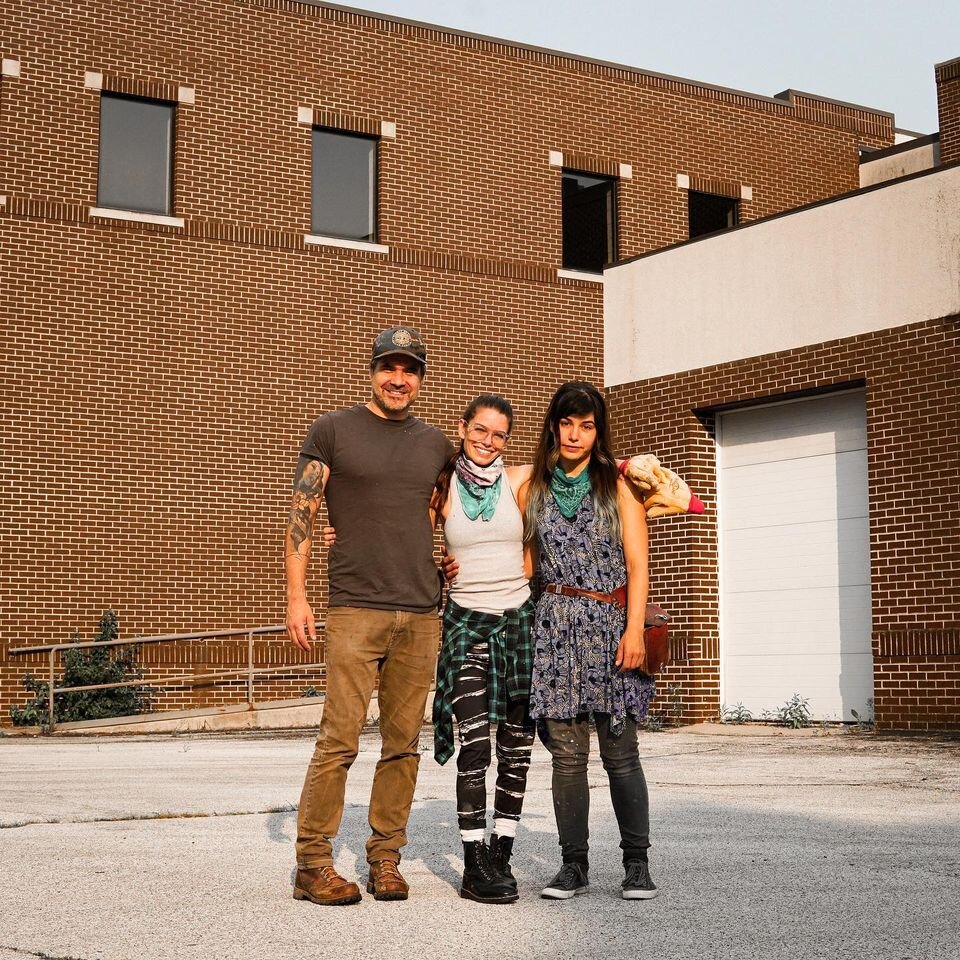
(500, 850)
(481, 880)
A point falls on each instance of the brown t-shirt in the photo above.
(382, 474)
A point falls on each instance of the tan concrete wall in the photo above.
(923, 157)
(872, 261)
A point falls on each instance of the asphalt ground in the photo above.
(766, 845)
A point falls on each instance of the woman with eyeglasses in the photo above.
(483, 675)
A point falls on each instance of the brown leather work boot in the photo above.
(386, 882)
(325, 886)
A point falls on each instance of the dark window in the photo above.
(709, 213)
(344, 185)
(589, 221)
(136, 154)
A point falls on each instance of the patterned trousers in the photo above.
(514, 746)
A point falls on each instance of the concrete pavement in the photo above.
(767, 845)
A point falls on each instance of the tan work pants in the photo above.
(402, 648)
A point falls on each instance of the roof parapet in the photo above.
(805, 106)
(839, 113)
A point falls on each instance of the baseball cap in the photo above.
(403, 340)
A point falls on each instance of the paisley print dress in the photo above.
(575, 639)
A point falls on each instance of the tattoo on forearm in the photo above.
(307, 492)
(300, 521)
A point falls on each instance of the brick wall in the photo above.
(158, 380)
(152, 439)
(948, 106)
(913, 452)
(467, 172)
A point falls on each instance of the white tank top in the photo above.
(490, 553)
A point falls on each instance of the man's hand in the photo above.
(630, 651)
(301, 627)
(329, 536)
(449, 565)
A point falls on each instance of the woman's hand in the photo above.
(449, 565)
(630, 651)
(633, 522)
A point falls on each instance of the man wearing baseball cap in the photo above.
(376, 464)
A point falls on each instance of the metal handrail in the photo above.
(164, 638)
(250, 672)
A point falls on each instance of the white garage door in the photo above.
(795, 556)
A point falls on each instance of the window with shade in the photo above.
(344, 201)
(136, 154)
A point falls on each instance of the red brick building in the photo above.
(806, 380)
(167, 342)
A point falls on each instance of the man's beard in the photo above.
(392, 405)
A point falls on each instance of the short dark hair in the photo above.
(489, 401)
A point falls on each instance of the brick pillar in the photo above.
(948, 103)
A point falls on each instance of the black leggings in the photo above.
(569, 744)
(514, 745)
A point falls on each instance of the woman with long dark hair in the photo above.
(589, 529)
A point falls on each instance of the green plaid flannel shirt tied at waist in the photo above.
(511, 663)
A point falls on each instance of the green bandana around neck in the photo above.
(478, 501)
(570, 491)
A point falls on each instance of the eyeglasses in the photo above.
(497, 437)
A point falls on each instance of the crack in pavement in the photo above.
(934, 785)
(761, 784)
(790, 784)
(6, 951)
(133, 817)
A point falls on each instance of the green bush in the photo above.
(738, 713)
(864, 721)
(669, 715)
(91, 665)
(795, 713)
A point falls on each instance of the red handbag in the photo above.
(656, 642)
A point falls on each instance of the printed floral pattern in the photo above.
(575, 638)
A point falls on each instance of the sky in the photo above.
(879, 54)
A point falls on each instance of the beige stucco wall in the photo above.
(872, 261)
(924, 157)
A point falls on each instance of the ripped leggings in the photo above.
(514, 745)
